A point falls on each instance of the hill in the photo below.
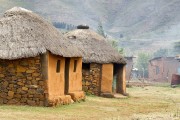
(135, 22)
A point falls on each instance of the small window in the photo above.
(157, 70)
(75, 65)
(58, 66)
(86, 66)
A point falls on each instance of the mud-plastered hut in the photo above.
(103, 67)
(38, 66)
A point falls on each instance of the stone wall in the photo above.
(92, 79)
(21, 82)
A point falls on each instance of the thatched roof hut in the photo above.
(94, 47)
(25, 34)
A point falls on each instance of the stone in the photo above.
(41, 103)
(19, 75)
(17, 96)
(10, 66)
(1, 101)
(14, 78)
(5, 84)
(11, 70)
(31, 91)
(21, 69)
(25, 88)
(24, 63)
(36, 74)
(31, 96)
(41, 83)
(11, 85)
(20, 83)
(33, 68)
(30, 102)
(33, 86)
(30, 71)
(3, 95)
(10, 93)
(29, 78)
(2, 75)
(38, 79)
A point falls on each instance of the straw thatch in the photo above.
(25, 34)
(94, 47)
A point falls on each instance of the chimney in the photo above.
(82, 27)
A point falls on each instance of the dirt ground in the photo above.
(148, 103)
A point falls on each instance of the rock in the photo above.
(19, 75)
(11, 85)
(11, 93)
(33, 86)
(3, 95)
(5, 84)
(36, 74)
(20, 83)
(30, 102)
(25, 88)
(2, 75)
(21, 69)
(30, 71)
(29, 78)
(38, 79)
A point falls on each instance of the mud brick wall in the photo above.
(92, 79)
(21, 82)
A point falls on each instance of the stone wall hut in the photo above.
(38, 66)
(101, 63)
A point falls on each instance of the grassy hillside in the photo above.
(150, 20)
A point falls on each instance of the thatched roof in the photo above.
(94, 47)
(26, 34)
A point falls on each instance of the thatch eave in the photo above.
(94, 47)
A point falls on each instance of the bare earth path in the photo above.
(149, 103)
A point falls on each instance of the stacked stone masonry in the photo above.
(91, 79)
(21, 82)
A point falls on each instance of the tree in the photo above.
(100, 30)
(161, 53)
(142, 63)
(115, 44)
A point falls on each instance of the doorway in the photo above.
(118, 78)
(66, 82)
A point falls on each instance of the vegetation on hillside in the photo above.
(142, 63)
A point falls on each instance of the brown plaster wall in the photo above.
(107, 78)
(55, 80)
(21, 82)
(75, 78)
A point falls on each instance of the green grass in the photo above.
(142, 102)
